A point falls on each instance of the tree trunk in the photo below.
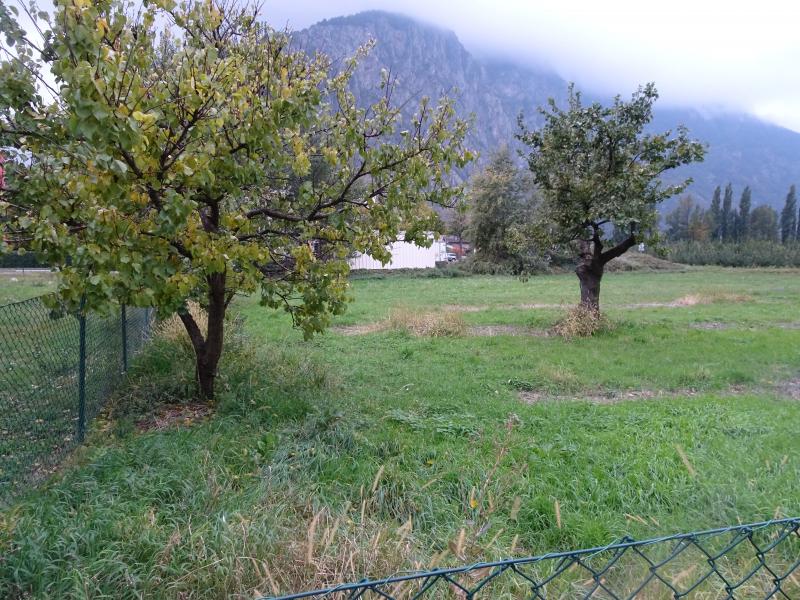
(590, 273)
(592, 263)
(208, 349)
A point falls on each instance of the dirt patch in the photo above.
(473, 308)
(693, 300)
(614, 396)
(465, 308)
(535, 306)
(607, 397)
(175, 415)
(713, 326)
(362, 329)
(682, 302)
(720, 326)
(518, 330)
(789, 389)
(475, 330)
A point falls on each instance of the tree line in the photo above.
(725, 222)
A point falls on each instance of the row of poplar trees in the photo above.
(724, 222)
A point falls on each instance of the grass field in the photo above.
(370, 450)
(17, 285)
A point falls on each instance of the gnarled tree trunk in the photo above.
(592, 262)
(208, 348)
(590, 273)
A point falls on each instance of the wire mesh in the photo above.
(759, 560)
(40, 382)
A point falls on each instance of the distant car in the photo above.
(451, 257)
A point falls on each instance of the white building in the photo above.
(405, 255)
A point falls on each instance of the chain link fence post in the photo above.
(124, 320)
(82, 372)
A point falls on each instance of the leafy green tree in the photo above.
(677, 220)
(727, 216)
(764, 224)
(500, 198)
(595, 165)
(699, 229)
(743, 218)
(789, 217)
(716, 214)
(187, 152)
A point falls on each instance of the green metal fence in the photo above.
(755, 561)
(56, 371)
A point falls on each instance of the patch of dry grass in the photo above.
(427, 324)
(711, 298)
(581, 321)
(173, 330)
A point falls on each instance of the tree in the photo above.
(727, 217)
(596, 165)
(677, 220)
(699, 225)
(500, 197)
(789, 217)
(188, 152)
(764, 224)
(743, 220)
(716, 214)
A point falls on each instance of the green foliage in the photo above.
(207, 158)
(727, 217)
(20, 261)
(764, 224)
(595, 165)
(686, 221)
(716, 213)
(502, 203)
(789, 217)
(743, 217)
(690, 222)
(752, 253)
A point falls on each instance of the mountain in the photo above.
(430, 61)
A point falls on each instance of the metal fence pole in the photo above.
(148, 323)
(82, 373)
(124, 339)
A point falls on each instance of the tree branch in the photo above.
(619, 249)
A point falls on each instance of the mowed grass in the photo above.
(355, 456)
(18, 284)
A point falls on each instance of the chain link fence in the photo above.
(56, 371)
(755, 561)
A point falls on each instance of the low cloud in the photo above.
(721, 55)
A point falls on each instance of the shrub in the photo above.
(752, 253)
(581, 321)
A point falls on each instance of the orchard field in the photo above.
(437, 422)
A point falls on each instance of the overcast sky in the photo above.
(710, 53)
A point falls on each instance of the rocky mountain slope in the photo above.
(430, 61)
